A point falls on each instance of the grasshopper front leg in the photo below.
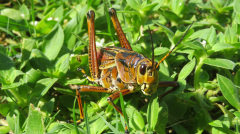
(111, 98)
(173, 84)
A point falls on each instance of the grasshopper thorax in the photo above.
(147, 76)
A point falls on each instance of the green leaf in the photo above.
(39, 61)
(221, 47)
(218, 4)
(237, 78)
(187, 69)
(231, 35)
(41, 88)
(134, 4)
(208, 34)
(152, 113)
(160, 51)
(136, 120)
(177, 6)
(4, 109)
(53, 43)
(221, 126)
(162, 119)
(229, 91)
(166, 30)
(12, 13)
(24, 12)
(13, 119)
(32, 76)
(236, 6)
(237, 114)
(26, 48)
(35, 121)
(58, 14)
(62, 65)
(4, 129)
(222, 63)
(11, 24)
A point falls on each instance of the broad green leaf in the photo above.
(162, 121)
(58, 14)
(208, 34)
(136, 120)
(187, 69)
(221, 127)
(62, 65)
(221, 47)
(53, 43)
(97, 126)
(11, 24)
(26, 48)
(46, 107)
(13, 119)
(41, 88)
(35, 121)
(177, 6)
(230, 35)
(31, 76)
(44, 85)
(152, 6)
(4, 129)
(134, 4)
(39, 61)
(8, 73)
(166, 30)
(237, 114)
(152, 113)
(222, 63)
(12, 13)
(109, 125)
(24, 12)
(236, 6)
(4, 109)
(49, 21)
(229, 91)
(160, 51)
(218, 4)
(74, 26)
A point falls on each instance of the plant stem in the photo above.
(198, 72)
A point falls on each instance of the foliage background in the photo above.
(42, 42)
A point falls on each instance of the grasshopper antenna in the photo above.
(152, 49)
(174, 46)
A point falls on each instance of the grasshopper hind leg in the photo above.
(92, 52)
(121, 36)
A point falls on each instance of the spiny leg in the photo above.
(92, 52)
(86, 88)
(116, 95)
(121, 36)
(111, 98)
(173, 84)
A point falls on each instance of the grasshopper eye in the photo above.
(142, 69)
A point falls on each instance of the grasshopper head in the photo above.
(147, 76)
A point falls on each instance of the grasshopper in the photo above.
(120, 69)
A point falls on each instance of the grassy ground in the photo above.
(42, 43)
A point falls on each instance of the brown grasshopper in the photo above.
(120, 69)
